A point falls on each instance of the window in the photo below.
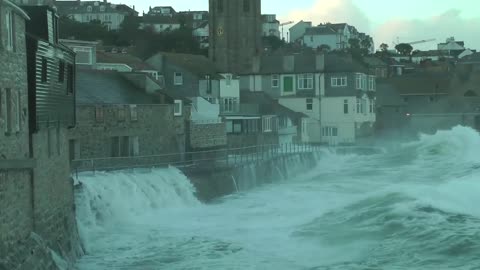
(309, 102)
(44, 77)
(246, 5)
(345, 106)
(229, 104)
(339, 81)
(359, 106)
(358, 81)
(372, 105)
(61, 71)
(134, 146)
(371, 83)
(70, 79)
(305, 81)
(99, 114)
(237, 126)
(209, 84)
(220, 5)
(120, 146)
(89, 9)
(9, 22)
(330, 131)
(267, 124)
(177, 78)
(133, 113)
(102, 8)
(121, 114)
(177, 108)
(275, 81)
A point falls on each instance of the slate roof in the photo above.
(471, 59)
(320, 30)
(268, 105)
(343, 63)
(304, 62)
(122, 58)
(108, 87)
(196, 64)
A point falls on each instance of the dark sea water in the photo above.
(416, 206)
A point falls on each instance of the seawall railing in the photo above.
(214, 159)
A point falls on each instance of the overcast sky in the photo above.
(386, 20)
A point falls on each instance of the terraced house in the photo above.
(335, 93)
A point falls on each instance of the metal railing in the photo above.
(223, 158)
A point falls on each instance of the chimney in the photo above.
(288, 63)
(134, 8)
(256, 64)
(320, 62)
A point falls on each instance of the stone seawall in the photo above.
(212, 183)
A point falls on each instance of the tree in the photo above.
(366, 44)
(273, 42)
(384, 47)
(129, 30)
(354, 43)
(324, 47)
(404, 48)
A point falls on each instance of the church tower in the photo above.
(235, 33)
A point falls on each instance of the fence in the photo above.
(223, 158)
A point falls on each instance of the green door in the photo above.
(287, 84)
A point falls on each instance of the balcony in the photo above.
(239, 109)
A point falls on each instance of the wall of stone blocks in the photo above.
(207, 135)
(53, 202)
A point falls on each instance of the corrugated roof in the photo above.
(108, 87)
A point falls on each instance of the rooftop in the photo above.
(320, 30)
(75, 7)
(108, 87)
(197, 64)
(122, 58)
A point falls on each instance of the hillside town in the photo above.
(179, 82)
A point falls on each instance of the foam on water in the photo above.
(412, 208)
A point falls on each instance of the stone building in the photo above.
(16, 163)
(35, 184)
(235, 33)
(117, 119)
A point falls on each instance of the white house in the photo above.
(322, 35)
(160, 23)
(334, 94)
(111, 15)
(298, 30)
(270, 25)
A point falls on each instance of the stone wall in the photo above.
(53, 202)
(207, 135)
(212, 183)
(157, 129)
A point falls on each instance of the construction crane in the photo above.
(414, 42)
(283, 24)
(422, 41)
